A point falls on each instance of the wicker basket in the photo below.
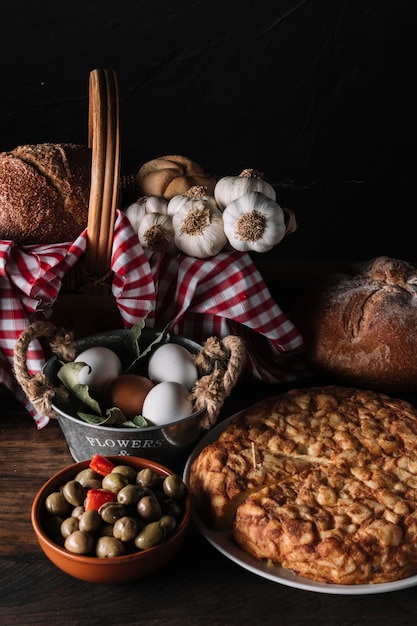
(85, 304)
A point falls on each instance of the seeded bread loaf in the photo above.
(44, 192)
(362, 327)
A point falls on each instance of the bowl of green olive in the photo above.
(112, 519)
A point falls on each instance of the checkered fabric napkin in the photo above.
(218, 296)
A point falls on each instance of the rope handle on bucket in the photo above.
(38, 388)
(220, 363)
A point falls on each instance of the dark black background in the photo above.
(318, 94)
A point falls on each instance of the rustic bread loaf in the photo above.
(44, 192)
(362, 328)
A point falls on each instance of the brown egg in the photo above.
(128, 392)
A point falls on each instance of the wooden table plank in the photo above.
(199, 587)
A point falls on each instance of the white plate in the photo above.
(222, 542)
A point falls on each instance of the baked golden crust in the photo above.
(44, 192)
(322, 481)
(361, 327)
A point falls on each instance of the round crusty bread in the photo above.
(44, 192)
(362, 328)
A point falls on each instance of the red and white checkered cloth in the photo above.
(218, 296)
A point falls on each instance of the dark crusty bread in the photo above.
(44, 192)
(362, 328)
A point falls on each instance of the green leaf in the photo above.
(113, 417)
(98, 420)
(68, 375)
(133, 340)
(139, 422)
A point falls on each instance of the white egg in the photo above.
(102, 366)
(174, 363)
(166, 403)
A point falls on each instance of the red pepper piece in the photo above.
(96, 497)
(101, 464)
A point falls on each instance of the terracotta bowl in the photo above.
(107, 570)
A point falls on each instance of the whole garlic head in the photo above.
(198, 224)
(136, 211)
(230, 188)
(254, 222)
(156, 233)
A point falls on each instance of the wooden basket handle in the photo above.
(104, 140)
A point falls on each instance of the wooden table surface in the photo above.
(200, 586)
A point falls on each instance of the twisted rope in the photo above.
(38, 389)
(221, 362)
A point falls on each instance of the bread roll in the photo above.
(44, 192)
(362, 328)
(172, 175)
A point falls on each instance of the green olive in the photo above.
(68, 526)
(88, 476)
(169, 523)
(77, 511)
(93, 483)
(74, 492)
(108, 547)
(174, 487)
(114, 482)
(106, 529)
(147, 478)
(112, 511)
(150, 536)
(90, 521)
(126, 471)
(56, 503)
(126, 528)
(172, 507)
(149, 508)
(130, 495)
(79, 542)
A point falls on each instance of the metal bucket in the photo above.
(169, 445)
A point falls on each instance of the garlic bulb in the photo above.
(145, 204)
(155, 204)
(254, 222)
(135, 213)
(198, 224)
(175, 203)
(229, 188)
(291, 224)
(156, 233)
